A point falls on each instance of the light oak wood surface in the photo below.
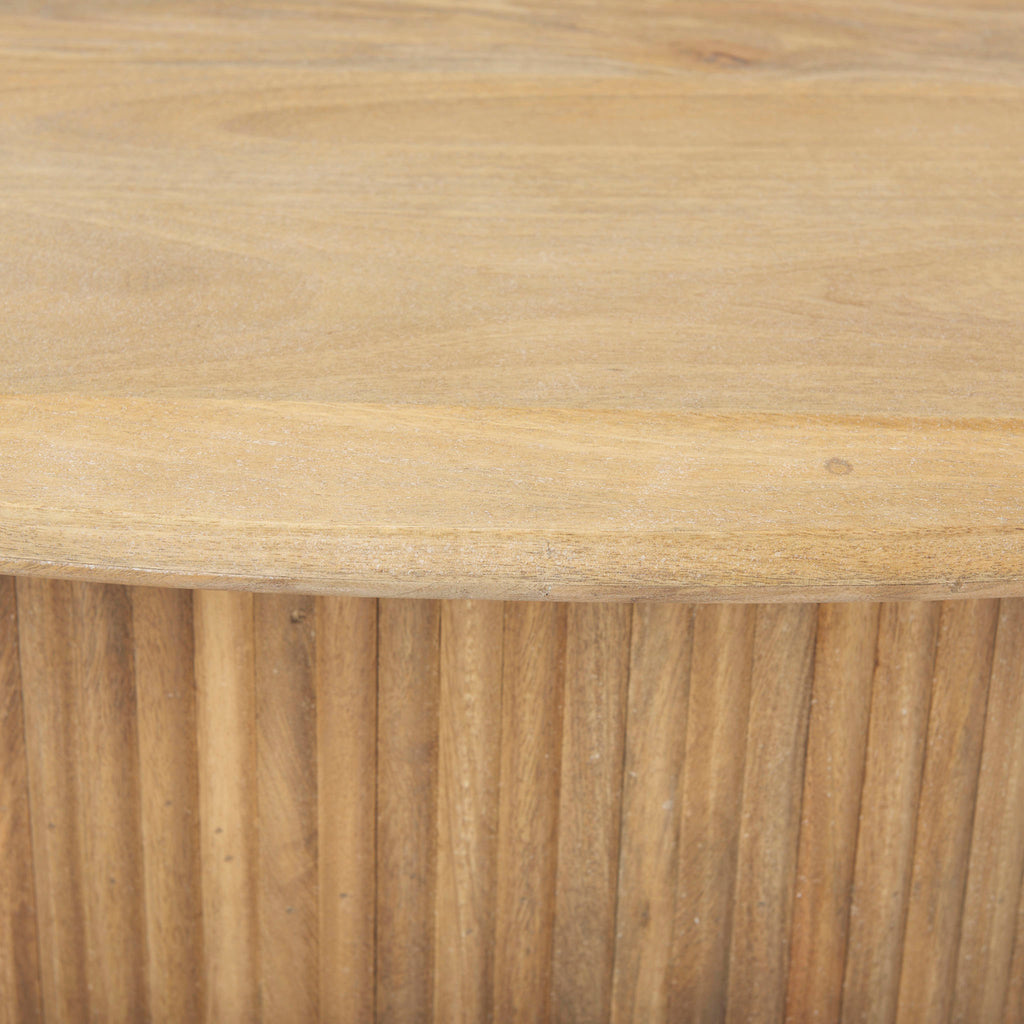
(350, 810)
(502, 299)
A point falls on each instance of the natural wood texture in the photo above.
(53, 738)
(346, 713)
(900, 701)
(833, 776)
(533, 677)
(615, 300)
(1014, 1006)
(228, 809)
(780, 693)
(997, 842)
(286, 756)
(109, 802)
(945, 809)
(164, 663)
(20, 995)
(660, 653)
(408, 683)
(712, 797)
(589, 811)
(393, 810)
(467, 839)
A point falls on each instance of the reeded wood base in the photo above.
(223, 806)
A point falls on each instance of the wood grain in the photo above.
(19, 950)
(712, 800)
(844, 662)
(53, 739)
(109, 802)
(589, 812)
(346, 713)
(487, 300)
(284, 658)
(997, 839)
(1013, 1008)
(900, 701)
(228, 794)
(393, 810)
(407, 748)
(533, 679)
(946, 807)
(660, 652)
(164, 668)
(780, 695)
(467, 840)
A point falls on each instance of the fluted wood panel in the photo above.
(19, 949)
(169, 785)
(228, 807)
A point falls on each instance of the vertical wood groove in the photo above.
(660, 666)
(52, 740)
(716, 726)
(346, 671)
(407, 744)
(592, 750)
(876, 656)
(285, 685)
(228, 802)
(20, 972)
(617, 893)
(164, 659)
(770, 811)
(845, 655)
(469, 755)
(996, 856)
(260, 807)
(1013, 1002)
(914, 826)
(900, 707)
(534, 645)
(109, 803)
(376, 811)
(946, 807)
(29, 1002)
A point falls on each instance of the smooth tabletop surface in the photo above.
(504, 299)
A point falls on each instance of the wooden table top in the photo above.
(503, 299)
